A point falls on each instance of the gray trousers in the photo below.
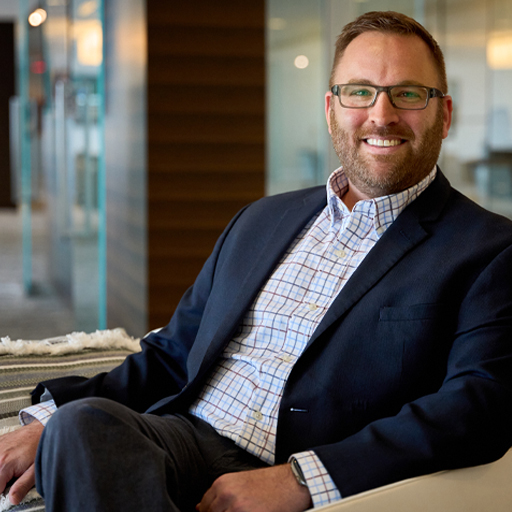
(97, 455)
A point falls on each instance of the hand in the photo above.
(17, 460)
(273, 489)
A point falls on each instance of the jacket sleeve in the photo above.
(467, 422)
(160, 369)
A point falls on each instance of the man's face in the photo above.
(413, 136)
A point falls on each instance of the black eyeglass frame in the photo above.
(432, 92)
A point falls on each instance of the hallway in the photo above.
(41, 315)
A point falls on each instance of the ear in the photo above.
(447, 114)
(328, 105)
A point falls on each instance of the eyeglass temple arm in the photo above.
(435, 93)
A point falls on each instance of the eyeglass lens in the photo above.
(406, 96)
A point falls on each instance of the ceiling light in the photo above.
(37, 18)
(301, 62)
(499, 51)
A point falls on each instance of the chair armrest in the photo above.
(486, 487)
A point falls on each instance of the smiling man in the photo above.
(387, 140)
(336, 340)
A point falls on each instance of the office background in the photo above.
(133, 131)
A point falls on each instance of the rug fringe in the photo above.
(71, 343)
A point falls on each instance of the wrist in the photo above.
(299, 483)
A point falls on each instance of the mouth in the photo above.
(384, 143)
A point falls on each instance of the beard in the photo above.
(380, 175)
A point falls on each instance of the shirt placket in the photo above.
(258, 432)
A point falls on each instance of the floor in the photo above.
(41, 314)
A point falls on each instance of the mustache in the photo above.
(386, 131)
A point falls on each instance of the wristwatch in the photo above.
(297, 471)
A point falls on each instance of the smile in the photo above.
(384, 142)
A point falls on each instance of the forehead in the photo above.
(387, 59)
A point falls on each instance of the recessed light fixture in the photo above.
(499, 51)
(301, 62)
(37, 18)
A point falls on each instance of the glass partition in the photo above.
(61, 118)
(20, 109)
(296, 62)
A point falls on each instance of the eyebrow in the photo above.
(363, 81)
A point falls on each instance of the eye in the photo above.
(363, 93)
(409, 94)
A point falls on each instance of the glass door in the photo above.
(61, 118)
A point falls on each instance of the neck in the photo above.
(352, 196)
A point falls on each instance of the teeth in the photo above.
(383, 142)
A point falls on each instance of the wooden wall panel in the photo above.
(206, 148)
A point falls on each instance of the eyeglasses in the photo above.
(405, 97)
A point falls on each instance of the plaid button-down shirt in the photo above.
(242, 395)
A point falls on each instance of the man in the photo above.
(328, 346)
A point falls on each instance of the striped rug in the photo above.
(24, 363)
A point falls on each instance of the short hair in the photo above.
(393, 23)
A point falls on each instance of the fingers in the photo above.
(206, 502)
(17, 456)
(217, 498)
(6, 465)
(22, 485)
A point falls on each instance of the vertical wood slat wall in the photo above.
(206, 147)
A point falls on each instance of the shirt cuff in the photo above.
(321, 486)
(41, 412)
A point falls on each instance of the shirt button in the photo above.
(257, 415)
(312, 306)
(340, 253)
(287, 358)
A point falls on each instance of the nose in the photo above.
(383, 113)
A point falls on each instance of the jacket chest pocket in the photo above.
(416, 312)
(423, 333)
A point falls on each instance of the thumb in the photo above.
(22, 485)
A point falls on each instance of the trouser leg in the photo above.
(97, 455)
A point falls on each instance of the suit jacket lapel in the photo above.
(285, 231)
(401, 237)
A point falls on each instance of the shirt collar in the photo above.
(382, 211)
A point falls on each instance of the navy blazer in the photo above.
(410, 370)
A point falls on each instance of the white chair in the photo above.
(486, 488)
